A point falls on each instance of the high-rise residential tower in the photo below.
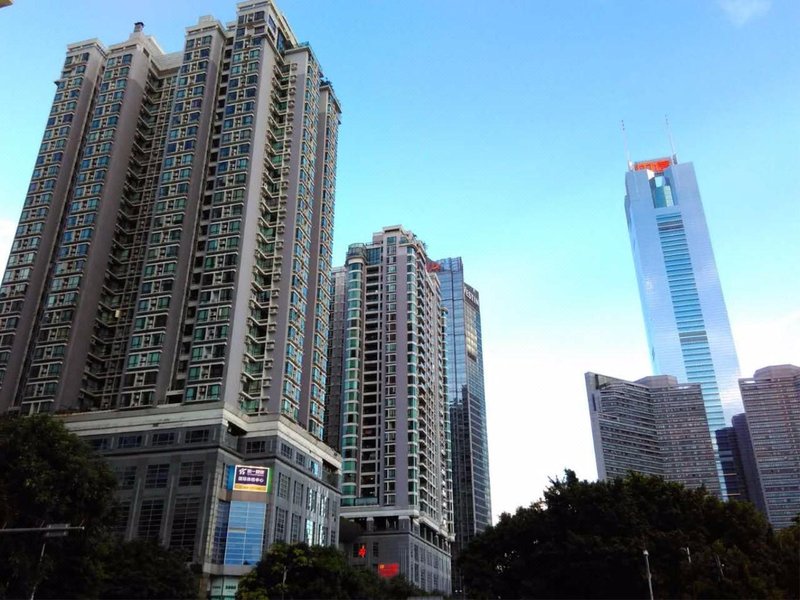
(684, 312)
(772, 407)
(654, 426)
(171, 269)
(389, 385)
(472, 503)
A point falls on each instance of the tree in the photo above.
(143, 569)
(302, 571)
(586, 540)
(51, 476)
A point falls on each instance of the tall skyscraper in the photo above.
(173, 257)
(393, 424)
(684, 311)
(772, 405)
(472, 502)
(654, 426)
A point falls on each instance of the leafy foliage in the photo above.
(51, 476)
(586, 540)
(301, 571)
(143, 569)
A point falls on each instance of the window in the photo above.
(184, 523)
(130, 441)
(255, 447)
(297, 497)
(156, 476)
(280, 524)
(99, 444)
(164, 439)
(286, 451)
(191, 473)
(283, 486)
(126, 477)
(198, 436)
(120, 525)
(295, 529)
(150, 518)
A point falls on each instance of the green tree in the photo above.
(301, 571)
(51, 476)
(586, 540)
(143, 569)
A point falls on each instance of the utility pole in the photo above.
(646, 555)
(50, 531)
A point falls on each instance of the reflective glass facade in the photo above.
(684, 311)
(472, 505)
(245, 538)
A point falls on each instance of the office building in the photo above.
(772, 407)
(684, 312)
(730, 457)
(472, 503)
(393, 420)
(749, 468)
(655, 426)
(172, 261)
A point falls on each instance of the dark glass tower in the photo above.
(472, 503)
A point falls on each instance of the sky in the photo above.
(492, 130)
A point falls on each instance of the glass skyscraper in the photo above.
(684, 312)
(472, 505)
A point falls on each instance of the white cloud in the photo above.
(742, 11)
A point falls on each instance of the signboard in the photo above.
(433, 267)
(251, 479)
(389, 570)
(657, 165)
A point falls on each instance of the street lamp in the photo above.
(646, 555)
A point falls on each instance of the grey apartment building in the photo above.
(466, 399)
(772, 419)
(654, 426)
(172, 263)
(387, 387)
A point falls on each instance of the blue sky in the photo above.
(491, 129)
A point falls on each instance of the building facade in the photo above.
(772, 408)
(217, 484)
(472, 502)
(174, 252)
(655, 426)
(393, 429)
(688, 332)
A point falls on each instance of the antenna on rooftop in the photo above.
(671, 141)
(625, 141)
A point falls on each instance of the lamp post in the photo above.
(646, 555)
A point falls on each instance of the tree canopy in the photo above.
(586, 540)
(50, 476)
(302, 571)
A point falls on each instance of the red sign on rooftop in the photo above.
(657, 165)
